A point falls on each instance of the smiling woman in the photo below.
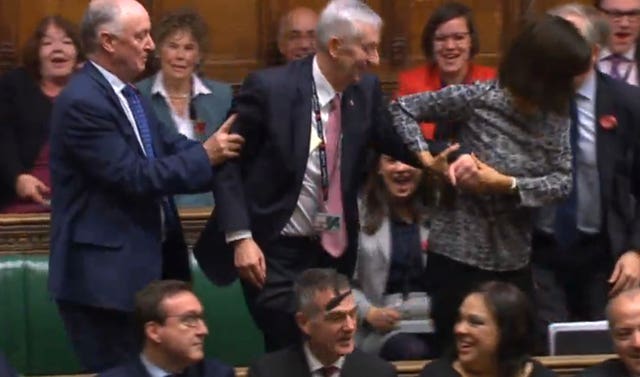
(183, 100)
(26, 98)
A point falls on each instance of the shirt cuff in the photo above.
(237, 235)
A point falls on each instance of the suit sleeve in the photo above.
(634, 131)
(386, 139)
(228, 188)
(11, 165)
(102, 152)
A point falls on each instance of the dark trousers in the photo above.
(448, 283)
(571, 284)
(273, 307)
(101, 338)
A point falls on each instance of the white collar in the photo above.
(315, 364)
(113, 80)
(630, 54)
(152, 369)
(588, 87)
(323, 87)
(198, 86)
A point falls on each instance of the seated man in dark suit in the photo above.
(326, 315)
(623, 313)
(114, 169)
(6, 370)
(170, 323)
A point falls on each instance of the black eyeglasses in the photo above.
(617, 14)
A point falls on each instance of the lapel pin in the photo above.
(350, 102)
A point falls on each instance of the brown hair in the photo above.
(148, 302)
(31, 51)
(443, 14)
(183, 19)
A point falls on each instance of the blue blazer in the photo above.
(206, 368)
(211, 108)
(106, 227)
(259, 191)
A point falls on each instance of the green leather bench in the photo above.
(31, 332)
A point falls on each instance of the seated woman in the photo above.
(449, 43)
(192, 105)
(518, 129)
(391, 259)
(26, 98)
(492, 337)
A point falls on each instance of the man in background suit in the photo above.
(623, 313)
(113, 168)
(587, 247)
(171, 327)
(621, 57)
(290, 202)
(297, 33)
(327, 315)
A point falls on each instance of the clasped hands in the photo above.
(467, 172)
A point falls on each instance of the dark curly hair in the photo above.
(183, 19)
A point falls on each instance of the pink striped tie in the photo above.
(334, 242)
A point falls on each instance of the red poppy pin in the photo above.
(200, 127)
(608, 122)
(424, 245)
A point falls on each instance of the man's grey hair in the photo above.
(338, 19)
(99, 14)
(632, 293)
(597, 28)
(315, 280)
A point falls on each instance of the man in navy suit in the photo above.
(171, 327)
(114, 168)
(587, 248)
(290, 202)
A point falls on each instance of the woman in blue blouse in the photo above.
(517, 128)
(192, 105)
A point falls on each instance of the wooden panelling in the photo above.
(243, 32)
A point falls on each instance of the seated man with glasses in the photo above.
(171, 328)
(327, 316)
(620, 58)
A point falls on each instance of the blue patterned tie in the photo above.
(133, 98)
(566, 224)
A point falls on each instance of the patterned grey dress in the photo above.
(491, 232)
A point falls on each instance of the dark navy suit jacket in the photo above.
(6, 370)
(106, 226)
(206, 368)
(259, 191)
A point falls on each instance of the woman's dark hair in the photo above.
(375, 198)
(515, 319)
(183, 19)
(445, 13)
(542, 61)
(31, 51)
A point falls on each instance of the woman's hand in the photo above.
(31, 188)
(440, 163)
(484, 180)
(383, 319)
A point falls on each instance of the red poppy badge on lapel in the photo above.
(199, 127)
(608, 122)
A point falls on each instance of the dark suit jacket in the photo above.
(24, 127)
(206, 368)
(106, 232)
(618, 157)
(259, 191)
(608, 368)
(6, 370)
(291, 362)
(211, 108)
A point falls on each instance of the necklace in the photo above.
(178, 96)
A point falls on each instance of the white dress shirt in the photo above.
(152, 369)
(184, 125)
(628, 69)
(315, 366)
